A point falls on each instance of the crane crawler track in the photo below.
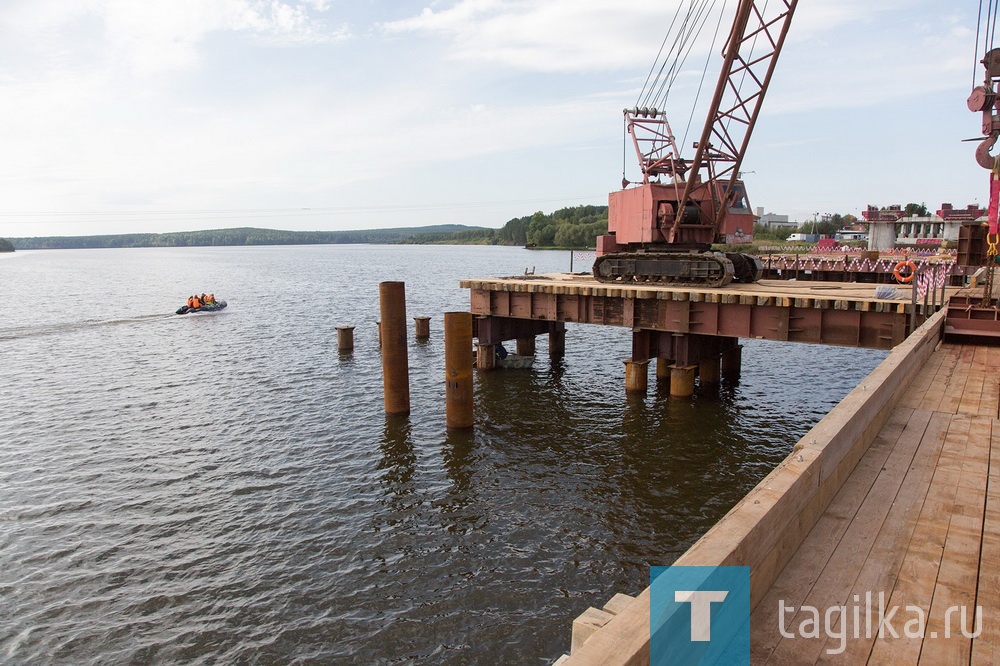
(696, 269)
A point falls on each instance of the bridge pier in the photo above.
(709, 371)
(491, 331)
(663, 370)
(682, 357)
(636, 375)
(732, 362)
(682, 380)
(486, 356)
(557, 342)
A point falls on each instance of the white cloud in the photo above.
(550, 36)
(108, 103)
(155, 36)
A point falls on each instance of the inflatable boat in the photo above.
(211, 307)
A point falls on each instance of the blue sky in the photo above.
(164, 115)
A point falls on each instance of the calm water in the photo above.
(226, 488)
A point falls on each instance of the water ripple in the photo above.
(227, 489)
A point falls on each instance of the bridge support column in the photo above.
(732, 362)
(557, 343)
(526, 346)
(458, 392)
(682, 380)
(395, 364)
(345, 338)
(636, 375)
(663, 370)
(486, 356)
(708, 370)
(422, 328)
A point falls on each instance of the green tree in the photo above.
(917, 210)
(762, 232)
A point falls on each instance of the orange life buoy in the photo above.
(910, 269)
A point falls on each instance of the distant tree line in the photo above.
(567, 227)
(241, 236)
(576, 227)
(6, 245)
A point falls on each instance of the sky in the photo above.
(121, 116)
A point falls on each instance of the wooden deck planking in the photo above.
(796, 581)
(957, 381)
(924, 381)
(959, 571)
(868, 513)
(925, 531)
(986, 647)
(881, 567)
(922, 561)
(949, 361)
(973, 394)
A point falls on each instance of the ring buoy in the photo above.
(904, 271)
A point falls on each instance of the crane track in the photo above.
(687, 269)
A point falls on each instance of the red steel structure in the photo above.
(662, 229)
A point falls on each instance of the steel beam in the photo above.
(821, 321)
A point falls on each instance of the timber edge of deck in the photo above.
(783, 293)
(766, 528)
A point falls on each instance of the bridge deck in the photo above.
(915, 527)
(820, 312)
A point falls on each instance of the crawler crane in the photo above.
(662, 229)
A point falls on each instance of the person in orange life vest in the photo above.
(211, 299)
(190, 301)
(195, 302)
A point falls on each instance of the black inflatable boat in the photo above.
(211, 307)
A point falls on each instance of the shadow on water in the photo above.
(458, 456)
(649, 464)
(397, 465)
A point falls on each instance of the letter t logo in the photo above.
(701, 607)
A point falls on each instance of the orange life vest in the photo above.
(195, 302)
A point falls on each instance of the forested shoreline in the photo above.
(576, 227)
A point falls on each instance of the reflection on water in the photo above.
(227, 488)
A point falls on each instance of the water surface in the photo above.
(226, 488)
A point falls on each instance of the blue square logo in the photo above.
(699, 615)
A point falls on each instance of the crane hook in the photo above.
(983, 157)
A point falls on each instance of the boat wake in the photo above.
(65, 327)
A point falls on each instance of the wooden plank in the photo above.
(958, 574)
(989, 403)
(957, 381)
(868, 515)
(881, 567)
(796, 580)
(972, 396)
(935, 393)
(917, 575)
(986, 647)
(927, 377)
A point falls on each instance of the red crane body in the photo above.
(662, 229)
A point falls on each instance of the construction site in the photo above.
(893, 493)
